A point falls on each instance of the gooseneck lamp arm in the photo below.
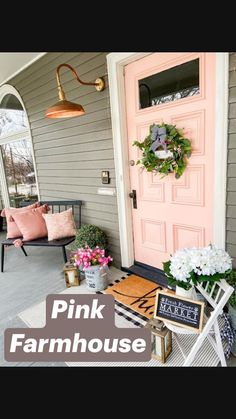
(99, 83)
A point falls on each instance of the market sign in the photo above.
(180, 311)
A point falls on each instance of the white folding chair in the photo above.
(217, 296)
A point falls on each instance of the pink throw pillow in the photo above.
(60, 225)
(35, 205)
(31, 223)
(12, 229)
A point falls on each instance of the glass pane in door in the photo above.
(170, 85)
(19, 172)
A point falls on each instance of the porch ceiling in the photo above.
(12, 63)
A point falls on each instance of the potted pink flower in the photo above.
(94, 263)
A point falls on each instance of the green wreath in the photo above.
(165, 150)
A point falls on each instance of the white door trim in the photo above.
(4, 90)
(116, 63)
(221, 139)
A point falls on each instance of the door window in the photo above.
(170, 85)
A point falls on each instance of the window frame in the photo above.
(158, 69)
(14, 137)
(143, 81)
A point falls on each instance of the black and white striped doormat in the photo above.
(132, 316)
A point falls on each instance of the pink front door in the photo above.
(172, 213)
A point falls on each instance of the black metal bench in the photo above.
(56, 206)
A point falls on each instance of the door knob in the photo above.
(131, 162)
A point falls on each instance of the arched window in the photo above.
(17, 169)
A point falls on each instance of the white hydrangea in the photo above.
(202, 260)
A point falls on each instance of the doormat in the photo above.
(136, 293)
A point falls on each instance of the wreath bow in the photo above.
(158, 136)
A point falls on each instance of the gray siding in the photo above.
(71, 153)
(231, 173)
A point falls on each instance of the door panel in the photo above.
(172, 213)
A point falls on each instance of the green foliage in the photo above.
(176, 143)
(232, 281)
(89, 235)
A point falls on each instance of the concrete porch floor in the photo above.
(26, 282)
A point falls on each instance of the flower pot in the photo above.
(96, 278)
(232, 314)
(181, 292)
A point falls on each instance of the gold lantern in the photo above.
(71, 275)
(161, 340)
